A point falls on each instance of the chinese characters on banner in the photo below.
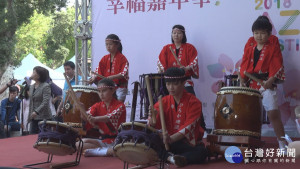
(270, 155)
(134, 6)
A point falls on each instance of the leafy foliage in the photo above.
(15, 13)
(60, 39)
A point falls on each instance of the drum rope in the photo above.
(152, 140)
(68, 137)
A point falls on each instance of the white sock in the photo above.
(298, 125)
(287, 139)
(282, 145)
(96, 152)
(171, 160)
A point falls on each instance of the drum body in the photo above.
(138, 144)
(85, 94)
(56, 138)
(158, 87)
(238, 111)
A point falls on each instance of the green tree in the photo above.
(60, 39)
(30, 38)
(14, 13)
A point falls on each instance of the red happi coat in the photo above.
(187, 56)
(270, 60)
(116, 113)
(119, 65)
(185, 120)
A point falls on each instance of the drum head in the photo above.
(54, 148)
(136, 126)
(138, 154)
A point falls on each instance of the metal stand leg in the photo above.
(125, 165)
(61, 165)
(50, 156)
(73, 163)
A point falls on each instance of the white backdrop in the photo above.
(219, 30)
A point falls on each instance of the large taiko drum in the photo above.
(238, 111)
(56, 138)
(158, 87)
(138, 144)
(85, 94)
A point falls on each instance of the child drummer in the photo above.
(263, 58)
(107, 115)
(182, 112)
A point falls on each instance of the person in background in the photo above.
(26, 110)
(56, 94)
(39, 94)
(10, 111)
(69, 67)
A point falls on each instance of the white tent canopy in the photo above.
(27, 65)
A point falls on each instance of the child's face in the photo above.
(175, 88)
(106, 94)
(261, 36)
(111, 46)
(13, 95)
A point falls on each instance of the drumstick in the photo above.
(253, 78)
(98, 75)
(162, 120)
(175, 57)
(72, 93)
(150, 99)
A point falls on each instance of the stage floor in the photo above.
(18, 151)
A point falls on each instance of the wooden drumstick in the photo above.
(253, 78)
(98, 75)
(176, 58)
(162, 120)
(72, 93)
(150, 99)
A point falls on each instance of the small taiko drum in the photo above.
(85, 94)
(158, 87)
(138, 144)
(56, 138)
(238, 111)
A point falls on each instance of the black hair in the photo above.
(13, 89)
(107, 82)
(70, 64)
(42, 72)
(26, 95)
(262, 23)
(184, 39)
(116, 41)
(174, 74)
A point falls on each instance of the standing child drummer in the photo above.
(182, 113)
(107, 115)
(114, 66)
(263, 59)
